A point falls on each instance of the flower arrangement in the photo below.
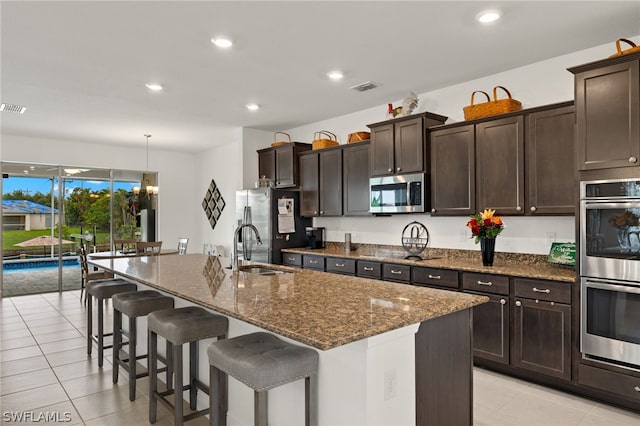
(485, 225)
(623, 220)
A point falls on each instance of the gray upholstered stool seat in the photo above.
(102, 290)
(262, 361)
(180, 326)
(135, 304)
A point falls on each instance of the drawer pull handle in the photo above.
(291, 259)
(367, 269)
(435, 277)
(340, 265)
(544, 290)
(518, 303)
(487, 283)
(633, 159)
(637, 388)
(502, 301)
(396, 272)
(313, 262)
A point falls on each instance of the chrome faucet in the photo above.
(234, 256)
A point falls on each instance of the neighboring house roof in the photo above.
(24, 207)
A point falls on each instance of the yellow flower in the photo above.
(487, 214)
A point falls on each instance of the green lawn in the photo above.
(11, 238)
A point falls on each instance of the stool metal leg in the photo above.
(260, 408)
(153, 376)
(169, 364)
(89, 322)
(193, 375)
(311, 401)
(218, 397)
(132, 357)
(177, 360)
(100, 333)
(117, 339)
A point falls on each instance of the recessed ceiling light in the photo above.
(222, 42)
(253, 107)
(154, 86)
(488, 16)
(335, 75)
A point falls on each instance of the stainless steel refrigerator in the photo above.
(259, 207)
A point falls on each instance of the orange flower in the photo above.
(497, 220)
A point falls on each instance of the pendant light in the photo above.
(150, 189)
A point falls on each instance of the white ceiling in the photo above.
(80, 67)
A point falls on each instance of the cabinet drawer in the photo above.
(369, 269)
(313, 262)
(609, 381)
(292, 259)
(341, 266)
(549, 291)
(394, 272)
(486, 283)
(437, 277)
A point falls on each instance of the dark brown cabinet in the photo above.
(321, 183)
(280, 164)
(311, 261)
(340, 265)
(453, 171)
(434, 277)
(355, 179)
(490, 320)
(607, 97)
(398, 145)
(292, 259)
(500, 165)
(550, 155)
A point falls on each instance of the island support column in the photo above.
(444, 370)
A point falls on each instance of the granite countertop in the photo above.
(512, 264)
(319, 309)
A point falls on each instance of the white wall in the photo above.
(534, 85)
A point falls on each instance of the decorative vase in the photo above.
(488, 249)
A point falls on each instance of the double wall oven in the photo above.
(610, 271)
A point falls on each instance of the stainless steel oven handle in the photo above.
(537, 290)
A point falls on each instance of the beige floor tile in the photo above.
(88, 385)
(60, 335)
(19, 353)
(71, 356)
(107, 402)
(80, 369)
(32, 399)
(51, 328)
(46, 321)
(30, 380)
(58, 414)
(10, 317)
(18, 342)
(63, 345)
(13, 326)
(25, 365)
(22, 332)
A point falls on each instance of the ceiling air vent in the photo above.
(19, 109)
(363, 87)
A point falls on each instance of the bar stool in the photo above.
(261, 361)
(102, 290)
(180, 326)
(135, 304)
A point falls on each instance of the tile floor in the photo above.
(44, 368)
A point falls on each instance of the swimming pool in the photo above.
(23, 265)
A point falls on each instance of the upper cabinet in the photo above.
(398, 145)
(280, 164)
(321, 183)
(607, 96)
(355, 179)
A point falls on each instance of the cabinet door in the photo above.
(355, 180)
(542, 337)
(500, 165)
(267, 164)
(381, 150)
(491, 329)
(453, 171)
(331, 183)
(285, 167)
(551, 183)
(309, 185)
(607, 116)
(409, 146)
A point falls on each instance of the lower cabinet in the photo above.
(340, 265)
(369, 269)
(619, 384)
(312, 261)
(491, 328)
(292, 259)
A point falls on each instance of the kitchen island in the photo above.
(390, 354)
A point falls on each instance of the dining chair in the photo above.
(125, 246)
(151, 248)
(87, 275)
(182, 245)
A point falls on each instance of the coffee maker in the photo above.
(315, 237)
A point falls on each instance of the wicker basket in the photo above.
(358, 137)
(620, 52)
(321, 143)
(278, 143)
(491, 107)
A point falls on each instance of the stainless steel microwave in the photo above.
(397, 194)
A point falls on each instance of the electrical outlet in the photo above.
(551, 238)
(390, 384)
